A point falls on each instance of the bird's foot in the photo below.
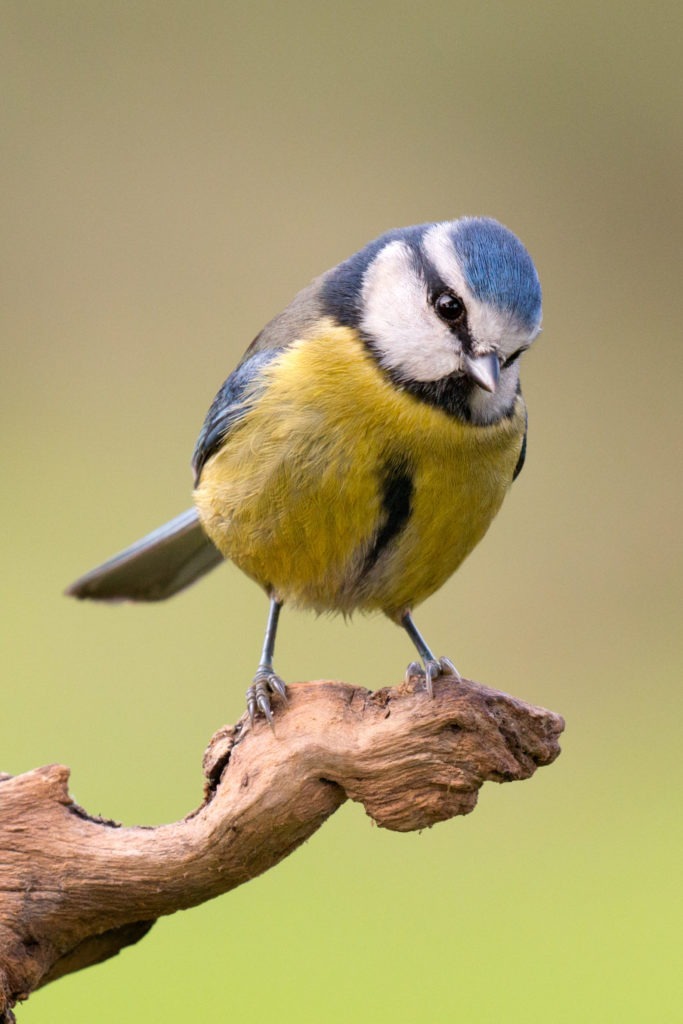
(264, 683)
(433, 668)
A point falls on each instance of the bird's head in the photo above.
(446, 309)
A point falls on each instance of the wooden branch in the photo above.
(75, 889)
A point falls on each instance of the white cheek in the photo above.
(407, 335)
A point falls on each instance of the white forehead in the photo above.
(438, 248)
(489, 327)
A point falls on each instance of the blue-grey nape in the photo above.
(343, 285)
(498, 269)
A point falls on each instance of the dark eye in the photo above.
(449, 307)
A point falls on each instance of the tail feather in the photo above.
(155, 567)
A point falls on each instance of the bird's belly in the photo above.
(454, 504)
(357, 496)
(298, 526)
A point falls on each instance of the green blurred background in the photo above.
(172, 174)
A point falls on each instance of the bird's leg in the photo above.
(266, 681)
(433, 667)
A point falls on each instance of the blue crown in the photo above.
(498, 269)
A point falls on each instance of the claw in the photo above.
(277, 686)
(264, 683)
(433, 669)
(414, 671)
(449, 669)
(264, 707)
(251, 704)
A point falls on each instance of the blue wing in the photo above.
(228, 407)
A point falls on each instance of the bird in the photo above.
(364, 443)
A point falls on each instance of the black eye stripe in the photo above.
(515, 355)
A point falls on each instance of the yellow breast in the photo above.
(296, 497)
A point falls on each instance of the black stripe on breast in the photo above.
(397, 494)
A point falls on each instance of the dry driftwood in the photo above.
(75, 889)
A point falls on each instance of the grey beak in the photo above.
(483, 370)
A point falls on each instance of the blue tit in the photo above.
(365, 442)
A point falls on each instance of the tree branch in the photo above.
(75, 889)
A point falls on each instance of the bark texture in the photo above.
(75, 889)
